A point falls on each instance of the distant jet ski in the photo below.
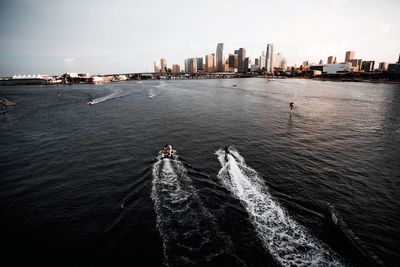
(91, 100)
(167, 152)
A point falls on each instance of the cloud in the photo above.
(69, 61)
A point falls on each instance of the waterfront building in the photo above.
(246, 65)
(157, 66)
(394, 68)
(368, 66)
(277, 60)
(241, 59)
(383, 66)
(355, 64)
(283, 64)
(191, 65)
(253, 68)
(163, 65)
(349, 56)
(341, 68)
(261, 62)
(219, 56)
(269, 61)
(321, 62)
(331, 60)
(256, 62)
(176, 69)
(210, 65)
(231, 61)
(199, 64)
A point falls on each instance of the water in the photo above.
(83, 185)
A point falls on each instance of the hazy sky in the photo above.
(53, 37)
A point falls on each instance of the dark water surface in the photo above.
(82, 185)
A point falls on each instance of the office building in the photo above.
(269, 60)
(246, 64)
(331, 60)
(191, 65)
(355, 64)
(368, 66)
(157, 66)
(199, 63)
(219, 57)
(210, 66)
(163, 65)
(383, 66)
(176, 69)
(261, 62)
(349, 56)
(241, 59)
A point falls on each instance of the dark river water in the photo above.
(82, 185)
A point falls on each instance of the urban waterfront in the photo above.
(82, 184)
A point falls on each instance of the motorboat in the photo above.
(167, 152)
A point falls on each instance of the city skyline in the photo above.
(101, 37)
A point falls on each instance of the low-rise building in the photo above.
(341, 68)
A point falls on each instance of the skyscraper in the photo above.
(199, 63)
(349, 56)
(176, 69)
(269, 58)
(157, 66)
(220, 57)
(241, 58)
(261, 63)
(191, 65)
(331, 60)
(163, 65)
(246, 64)
(368, 66)
(210, 63)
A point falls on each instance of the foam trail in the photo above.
(287, 241)
(116, 94)
(190, 233)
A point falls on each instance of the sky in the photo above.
(54, 37)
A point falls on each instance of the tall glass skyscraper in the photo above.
(269, 58)
(241, 58)
(220, 57)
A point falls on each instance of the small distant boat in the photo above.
(167, 152)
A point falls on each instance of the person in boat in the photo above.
(167, 151)
(291, 105)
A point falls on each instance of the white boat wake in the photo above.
(287, 241)
(190, 233)
(116, 94)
